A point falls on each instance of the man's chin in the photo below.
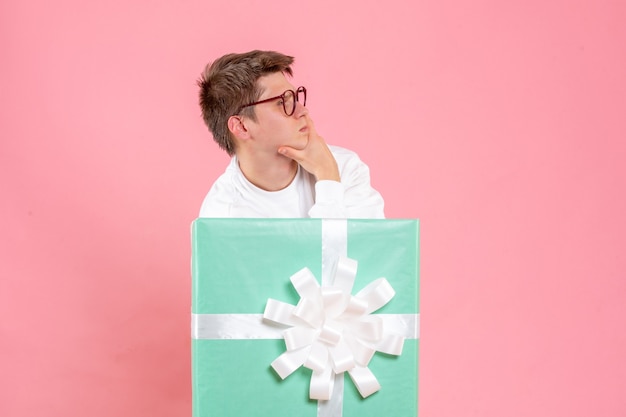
(302, 143)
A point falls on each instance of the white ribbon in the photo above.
(334, 246)
(332, 331)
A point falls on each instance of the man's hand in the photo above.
(315, 157)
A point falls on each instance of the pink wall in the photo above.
(501, 125)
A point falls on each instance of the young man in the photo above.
(280, 166)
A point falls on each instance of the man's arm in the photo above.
(354, 197)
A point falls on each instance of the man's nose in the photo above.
(300, 110)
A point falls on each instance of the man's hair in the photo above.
(231, 82)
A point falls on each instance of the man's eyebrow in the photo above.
(270, 94)
(261, 91)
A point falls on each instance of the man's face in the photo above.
(273, 128)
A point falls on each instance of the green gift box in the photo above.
(238, 264)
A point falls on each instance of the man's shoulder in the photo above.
(346, 158)
(222, 194)
(340, 150)
(343, 154)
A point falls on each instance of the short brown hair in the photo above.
(231, 82)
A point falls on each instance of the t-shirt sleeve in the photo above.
(329, 200)
(353, 197)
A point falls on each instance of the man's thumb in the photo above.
(289, 152)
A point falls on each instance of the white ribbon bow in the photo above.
(332, 331)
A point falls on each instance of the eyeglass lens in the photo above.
(289, 104)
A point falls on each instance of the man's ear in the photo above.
(238, 128)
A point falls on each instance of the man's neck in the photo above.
(270, 175)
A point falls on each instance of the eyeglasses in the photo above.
(289, 99)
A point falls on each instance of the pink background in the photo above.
(501, 125)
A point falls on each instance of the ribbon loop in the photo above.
(377, 294)
(279, 312)
(364, 380)
(342, 357)
(305, 284)
(317, 359)
(310, 311)
(297, 337)
(289, 361)
(363, 353)
(334, 300)
(356, 307)
(330, 334)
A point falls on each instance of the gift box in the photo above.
(240, 264)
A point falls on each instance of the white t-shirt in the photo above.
(232, 195)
